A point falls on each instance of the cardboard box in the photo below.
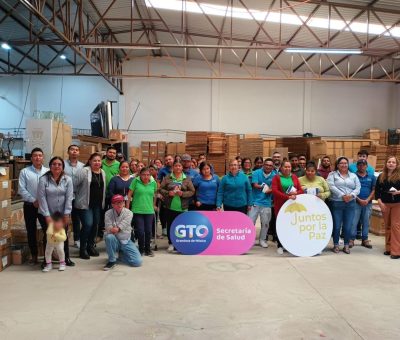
(180, 148)
(374, 134)
(19, 256)
(316, 148)
(171, 148)
(5, 227)
(377, 225)
(5, 190)
(5, 242)
(5, 261)
(4, 173)
(5, 209)
(87, 149)
(117, 135)
(161, 146)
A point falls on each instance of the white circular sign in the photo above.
(304, 226)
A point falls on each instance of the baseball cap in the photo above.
(362, 161)
(117, 199)
(186, 157)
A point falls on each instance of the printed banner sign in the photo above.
(304, 226)
(212, 233)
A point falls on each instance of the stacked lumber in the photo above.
(346, 147)
(298, 145)
(382, 152)
(196, 143)
(269, 144)
(218, 163)
(217, 145)
(251, 148)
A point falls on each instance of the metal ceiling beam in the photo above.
(331, 38)
(34, 9)
(352, 6)
(29, 30)
(12, 65)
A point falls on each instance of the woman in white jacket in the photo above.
(90, 186)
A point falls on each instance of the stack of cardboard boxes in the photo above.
(150, 151)
(5, 219)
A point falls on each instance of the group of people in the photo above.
(120, 200)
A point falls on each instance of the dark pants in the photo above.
(144, 226)
(163, 215)
(76, 224)
(239, 209)
(207, 207)
(31, 215)
(171, 215)
(90, 220)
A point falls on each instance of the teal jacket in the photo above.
(234, 191)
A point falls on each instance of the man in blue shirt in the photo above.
(262, 198)
(27, 188)
(362, 154)
(364, 203)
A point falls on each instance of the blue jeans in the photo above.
(143, 227)
(362, 215)
(343, 217)
(130, 254)
(90, 220)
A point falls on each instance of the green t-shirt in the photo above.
(110, 170)
(143, 196)
(176, 203)
(286, 182)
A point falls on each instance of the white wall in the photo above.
(327, 108)
(170, 106)
(76, 97)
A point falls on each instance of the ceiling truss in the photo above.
(97, 40)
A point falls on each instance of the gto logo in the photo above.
(181, 231)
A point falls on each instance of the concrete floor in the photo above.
(260, 295)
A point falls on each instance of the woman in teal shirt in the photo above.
(142, 192)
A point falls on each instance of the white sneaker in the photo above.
(61, 268)
(264, 244)
(280, 251)
(341, 242)
(78, 244)
(48, 268)
(170, 248)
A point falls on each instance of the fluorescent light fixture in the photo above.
(124, 47)
(5, 46)
(323, 51)
(63, 56)
(273, 16)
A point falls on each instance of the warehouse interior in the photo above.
(216, 77)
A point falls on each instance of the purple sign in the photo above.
(213, 233)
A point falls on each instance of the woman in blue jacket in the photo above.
(206, 185)
(234, 191)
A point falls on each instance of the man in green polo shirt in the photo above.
(110, 165)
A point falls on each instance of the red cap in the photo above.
(117, 198)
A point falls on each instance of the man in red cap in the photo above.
(117, 235)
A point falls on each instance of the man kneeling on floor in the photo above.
(117, 235)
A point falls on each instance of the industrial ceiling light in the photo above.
(272, 16)
(5, 46)
(323, 51)
(63, 56)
